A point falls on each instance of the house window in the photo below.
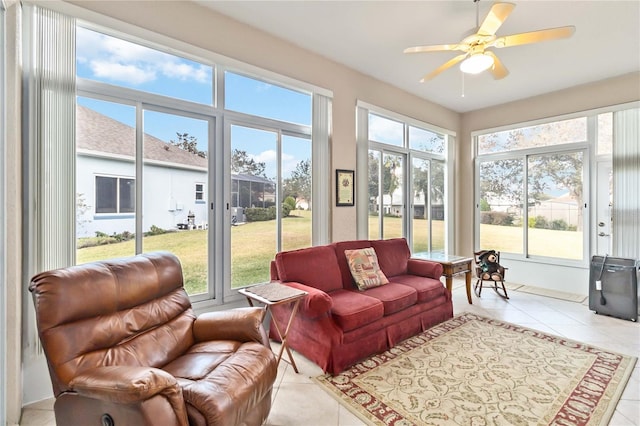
(199, 192)
(115, 195)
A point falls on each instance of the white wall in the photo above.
(169, 195)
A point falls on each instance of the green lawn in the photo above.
(253, 245)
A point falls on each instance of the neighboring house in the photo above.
(105, 174)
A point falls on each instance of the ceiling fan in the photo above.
(476, 58)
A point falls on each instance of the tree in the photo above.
(188, 143)
(390, 180)
(421, 183)
(241, 162)
(298, 185)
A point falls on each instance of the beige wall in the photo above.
(615, 91)
(201, 27)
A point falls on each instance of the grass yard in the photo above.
(253, 245)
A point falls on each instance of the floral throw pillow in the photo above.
(363, 264)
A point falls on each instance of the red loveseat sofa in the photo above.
(338, 325)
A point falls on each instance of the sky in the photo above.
(121, 63)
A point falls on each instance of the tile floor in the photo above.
(298, 401)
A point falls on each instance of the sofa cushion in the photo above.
(394, 297)
(340, 247)
(314, 266)
(363, 264)
(427, 288)
(352, 309)
(393, 255)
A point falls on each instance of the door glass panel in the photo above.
(392, 195)
(296, 192)
(605, 133)
(555, 205)
(105, 180)
(374, 195)
(437, 205)
(254, 231)
(175, 150)
(421, 204)
(501, 188)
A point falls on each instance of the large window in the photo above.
(271, 175)
(531, 197)
(406, 165)
(150, 131)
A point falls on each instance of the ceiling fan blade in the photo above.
(443, 67)
(534, 36)
(497, 70)
(497, 15)
(434, 48)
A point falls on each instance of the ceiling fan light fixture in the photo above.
(476, 63)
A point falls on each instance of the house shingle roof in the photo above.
(101, 134)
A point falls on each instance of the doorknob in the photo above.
(602, 234)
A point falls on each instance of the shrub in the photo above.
(155, 230)
(259, 214)
(290, 202)
(286, 208)
(496, 218)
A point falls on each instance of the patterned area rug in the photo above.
(473, 370)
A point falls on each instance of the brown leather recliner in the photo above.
(124, 347)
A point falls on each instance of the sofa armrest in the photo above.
(240, 324)
(130, 384)
(316, 303)
(424, 268)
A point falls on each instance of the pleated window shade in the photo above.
(51, 74)
(49, 62)
(626, 183)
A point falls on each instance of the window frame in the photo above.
(200, 193)
(118, 195)
(217, 194)
(364, 144)
(524, 154)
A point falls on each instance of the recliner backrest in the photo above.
(134, 312)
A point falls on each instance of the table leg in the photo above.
(283, 337)
(449, 281)
(467, 277)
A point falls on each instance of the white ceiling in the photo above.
(369, 36)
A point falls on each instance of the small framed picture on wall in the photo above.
(345, 187)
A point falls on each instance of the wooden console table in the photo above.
(271, 294)
(452, 265)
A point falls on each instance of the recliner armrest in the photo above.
(240, 324)
(424, 268)
(130, 384)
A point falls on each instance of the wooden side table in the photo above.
(272, 294)
(452, 265)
